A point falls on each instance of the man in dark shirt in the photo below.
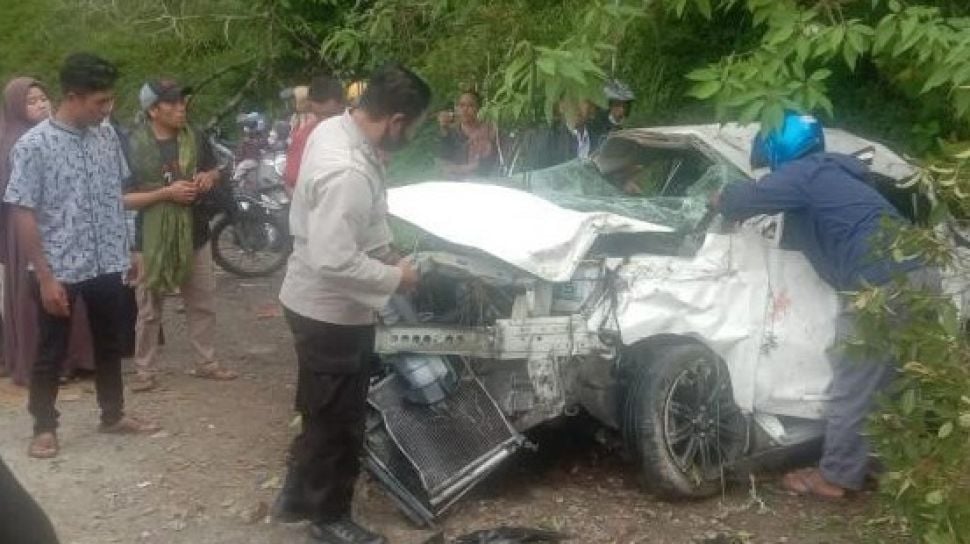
(172, 168)
(833, 216)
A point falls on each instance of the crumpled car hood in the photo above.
(514, 226)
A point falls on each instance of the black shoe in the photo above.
(289, 506)
(343, 531)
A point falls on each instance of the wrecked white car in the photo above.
(555, 292)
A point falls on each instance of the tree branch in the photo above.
(236, 99)
(219, 73)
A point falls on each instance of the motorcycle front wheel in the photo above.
(248, 248)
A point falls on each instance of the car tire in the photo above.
(680, 421)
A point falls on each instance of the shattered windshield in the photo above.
(675, 197)
(668, 186)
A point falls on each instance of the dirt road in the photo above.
(209, 476)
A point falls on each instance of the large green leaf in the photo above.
(705, 89)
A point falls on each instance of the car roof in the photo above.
(733, 142)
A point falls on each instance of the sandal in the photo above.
(44, 446)
(810, 482)
(130, 425)
(142, 384)
(213, 372)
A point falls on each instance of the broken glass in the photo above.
(578, 185)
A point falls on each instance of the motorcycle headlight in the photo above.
(268, 203)
(279, 164)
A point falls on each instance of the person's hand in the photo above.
(204, 181)
(631, 188)
(391, 255)
(134, 269)
(53, 297)
(445, 119)
(182, 192)
(714, 200)
(409, 277)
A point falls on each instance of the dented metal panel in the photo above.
(763, 310)
(519, 228)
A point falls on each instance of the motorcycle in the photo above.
(252, 238)
(250, 233)
(260, 160)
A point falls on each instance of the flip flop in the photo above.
(43, 446)
(213, 373)
(130, 425)
(143, 384)
(808, 482)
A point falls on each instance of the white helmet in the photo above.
(617, 91)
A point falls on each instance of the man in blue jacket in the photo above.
(834, 217)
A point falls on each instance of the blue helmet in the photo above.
(798, 136)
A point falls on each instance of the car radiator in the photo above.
(427, 457)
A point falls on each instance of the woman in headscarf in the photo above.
(25, 103)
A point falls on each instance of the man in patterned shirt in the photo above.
(65, 192)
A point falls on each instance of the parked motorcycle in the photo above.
(252, 238)
(250, 234)
(260, 158)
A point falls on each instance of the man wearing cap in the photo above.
(172, 167)
(620, 98)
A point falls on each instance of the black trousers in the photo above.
(21, 520)
(102, 298)
(128, 317)
(331, 395)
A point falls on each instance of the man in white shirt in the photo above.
(341, 273)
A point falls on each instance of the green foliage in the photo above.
(246, 47)
(525, 56)
(918, 48)
(922, 432)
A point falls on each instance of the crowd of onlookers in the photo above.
(470, 146)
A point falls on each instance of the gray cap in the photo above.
(161, 90)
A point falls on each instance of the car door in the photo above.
(793, 372)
